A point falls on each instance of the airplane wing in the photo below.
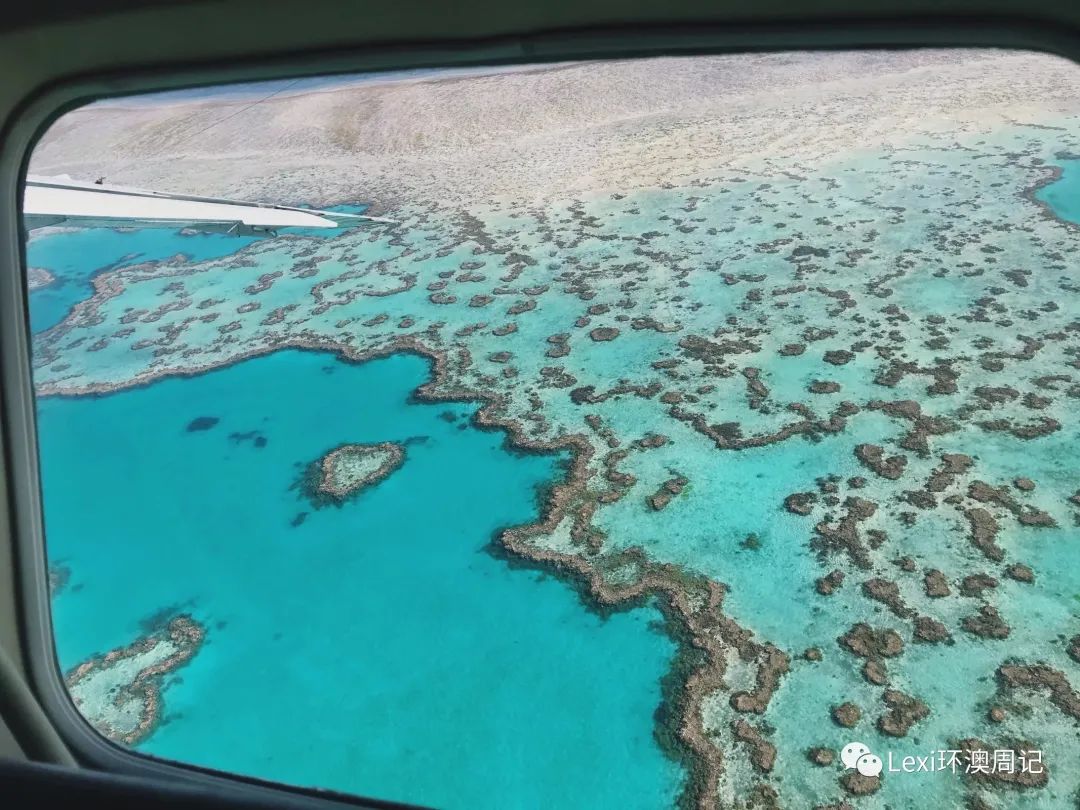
(63, 201)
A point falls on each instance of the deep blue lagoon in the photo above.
(374, 647)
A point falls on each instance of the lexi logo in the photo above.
(856, 755)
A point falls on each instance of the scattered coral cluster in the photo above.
(822, 409)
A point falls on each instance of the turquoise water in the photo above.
(1063, 195)
(730, 495)
(374, 648)
(74, 257)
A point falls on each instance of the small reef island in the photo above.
(346, 470)
(803, 328)
(38, 278)
(120, 692)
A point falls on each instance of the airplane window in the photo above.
(656, 433)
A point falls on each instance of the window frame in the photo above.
(41, 108)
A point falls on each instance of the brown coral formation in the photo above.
(800, 503)
(1041, 678)
(144, 689)
(930, 630)
(1020, 573)
(821, 756)
(987, 623)
(772, 665)
(866, 642)
(336, 481)
(827, 584)
(904, 711)
(887, 593)
(1000, 496)
(604, 333)
(983, 533)
(874, 672)
(952, 466)
(846, 715)
(668, 490)
(762, 752)
(858, 785)
(873, 458)
(935, 584)
(975, 584)
(846, 534)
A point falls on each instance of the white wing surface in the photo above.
(62, 201)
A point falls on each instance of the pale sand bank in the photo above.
(580, 130)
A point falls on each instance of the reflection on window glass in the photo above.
(639, 434)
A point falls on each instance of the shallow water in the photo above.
(75, 257)
(879, 214)
(1062, 196)
(375, 648)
